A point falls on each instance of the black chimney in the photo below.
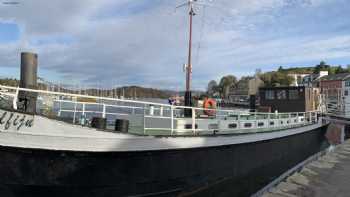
(29, 69)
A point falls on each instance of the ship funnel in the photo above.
(29, 69)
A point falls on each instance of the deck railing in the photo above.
(149, 118)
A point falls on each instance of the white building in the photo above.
(307, 80)
(298, 79)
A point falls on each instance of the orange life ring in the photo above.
(209, 104)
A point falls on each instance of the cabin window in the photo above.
(272, 123)
(247, 125)
(260, 124)
(269, 94)
(347, 83)
(346, 93)
(281, 94)
(293, 94)
(232, 126)
(189, 126)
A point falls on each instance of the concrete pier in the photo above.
(327, 176)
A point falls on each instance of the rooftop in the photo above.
(336, 77)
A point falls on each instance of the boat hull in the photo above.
(229, 170)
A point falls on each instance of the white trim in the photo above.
(125, 142)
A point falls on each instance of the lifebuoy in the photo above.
(209, 104)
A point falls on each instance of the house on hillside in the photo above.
(307, 79)
(298, 78)
(334, 81)
(336, 89)
(313, 80)
(244, 88)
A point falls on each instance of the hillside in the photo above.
(127, 91)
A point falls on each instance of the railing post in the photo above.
(75, 111)
(144, 119)
(104, 111)
(83, 109)
(59, 108)
(310, 117)
(290, 120)
(161, 111)
(151, 110)
(194, 121)
(172, 119)
(239, 120)
(255, 120)
(15, 99)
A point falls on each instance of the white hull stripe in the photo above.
(135, 143)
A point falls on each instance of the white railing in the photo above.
(151, 118)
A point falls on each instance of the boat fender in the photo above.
(121, 125)
(209, 104)
(99, 123)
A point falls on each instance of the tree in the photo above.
(280, 69)
(225, 83)
(322, 67)
(212, 87)
(273, 79)
(339, 69)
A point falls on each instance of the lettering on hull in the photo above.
(15, 121)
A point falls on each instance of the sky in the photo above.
(108, 43)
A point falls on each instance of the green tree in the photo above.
(212, 87)
(225, 83)
(323, 67)
(348, 68)
(339, 69)
(280, 69)
(273, 79)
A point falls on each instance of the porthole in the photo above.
(282, 122)
(261, 124)
(272, 123)
(247, 125)
(232, 126)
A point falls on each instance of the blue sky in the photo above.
(144, 42)
(9, 32)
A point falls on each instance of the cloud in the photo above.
(145, 42)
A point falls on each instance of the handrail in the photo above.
(129, 101)
(151, 111)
